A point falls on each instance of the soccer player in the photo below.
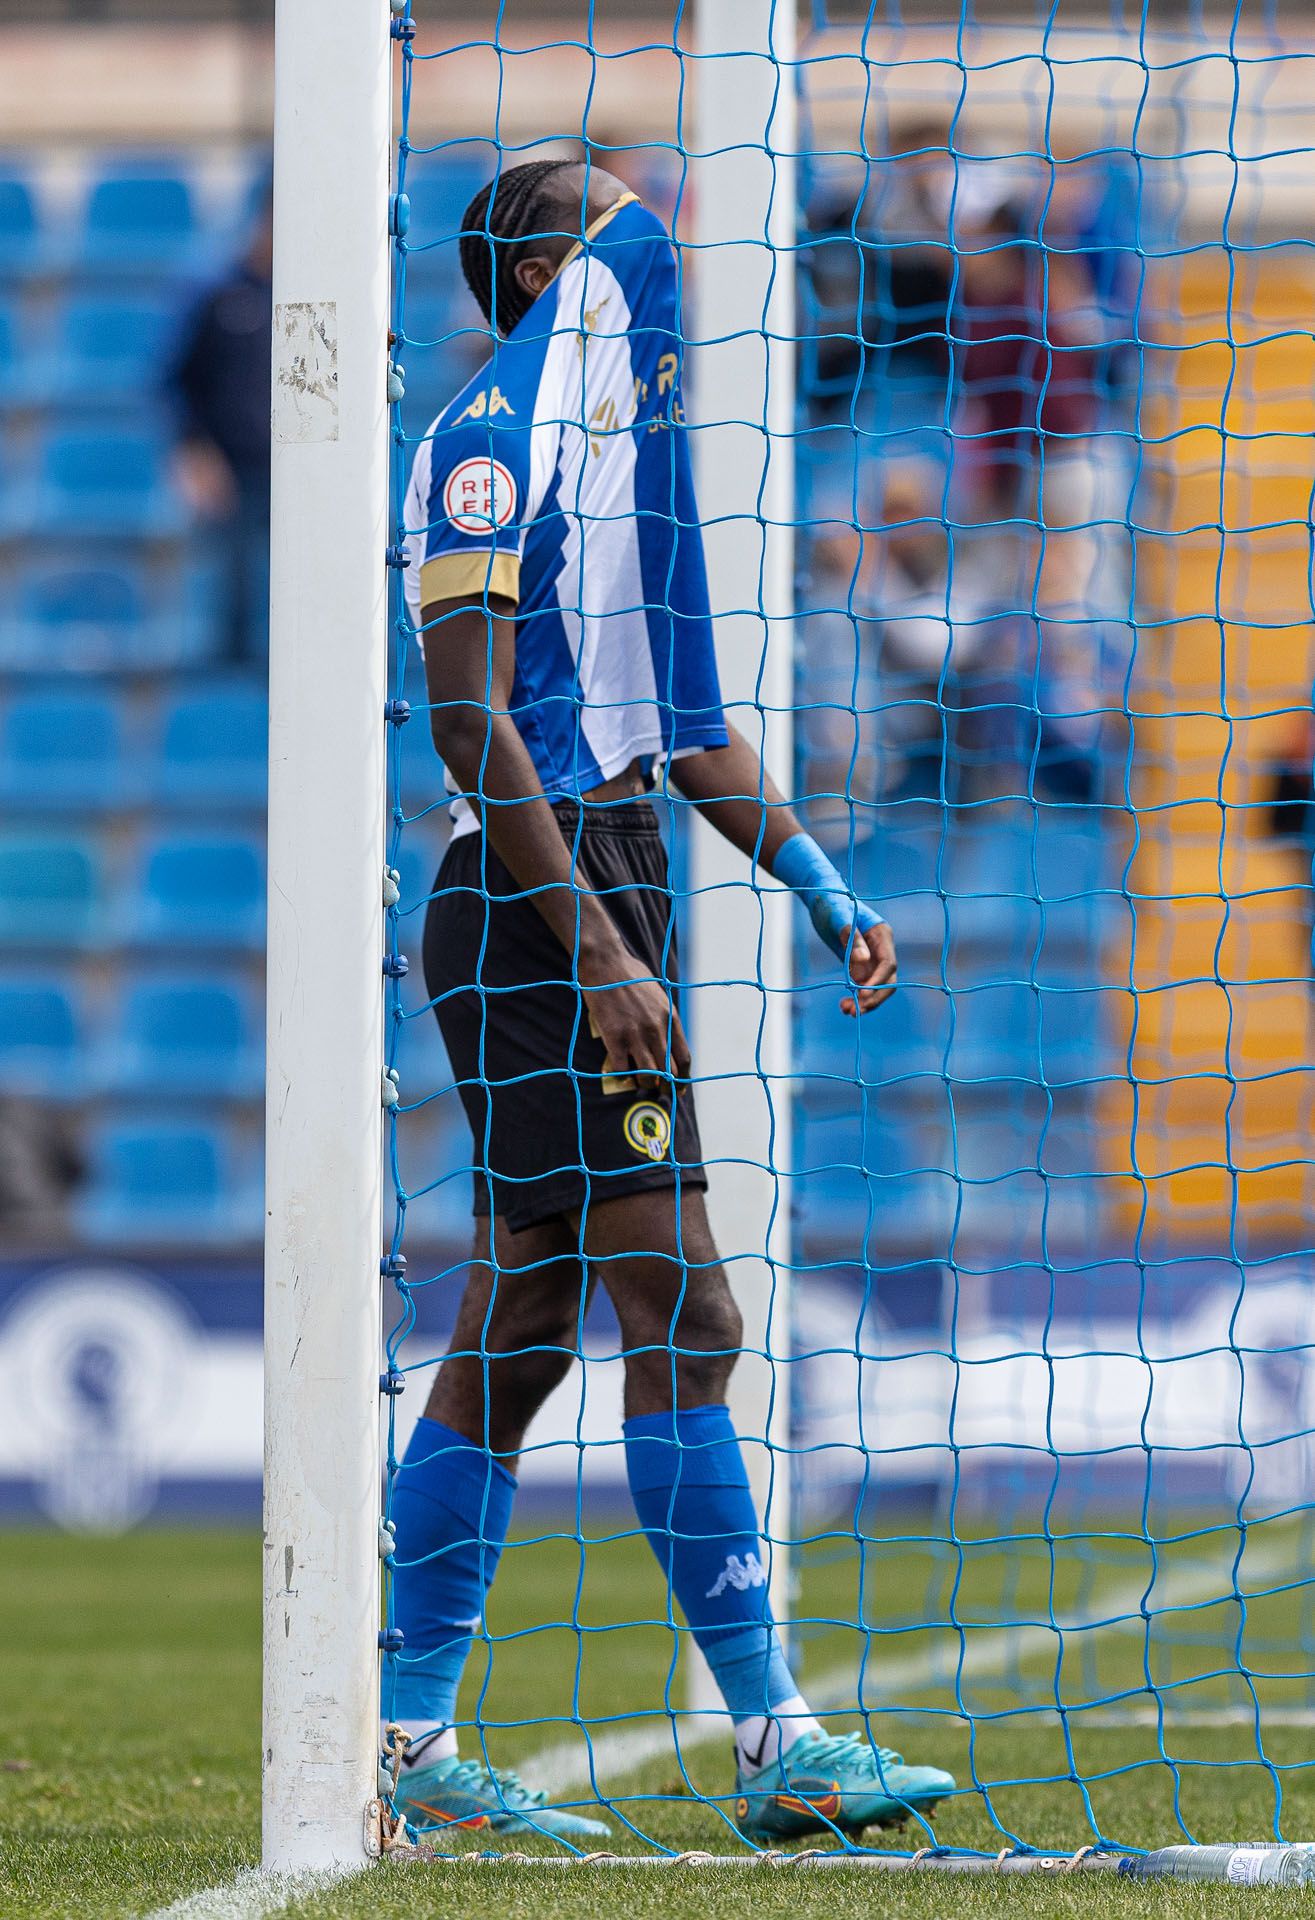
(557, 570)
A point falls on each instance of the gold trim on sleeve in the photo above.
(459, 576)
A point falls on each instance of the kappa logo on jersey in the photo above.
(480, 496)
(648, 1130)
(493, 403)
(737, 1573)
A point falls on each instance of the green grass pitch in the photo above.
(129, 1712)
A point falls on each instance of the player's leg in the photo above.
(681, 1334)
(515, 1337)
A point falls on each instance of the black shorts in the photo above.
(548, 1137)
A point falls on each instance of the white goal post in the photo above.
(327, 681)
(742, 398)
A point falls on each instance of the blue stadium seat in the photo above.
(139, 219)
(215, 747)
(156, 1180)
(73, 619)
(11, 365)
(186, 1034)
(103, 483)
(200, 890)
(50, 890)
(836, 1057)
(883, 1171)
(62, 750)
(191, 610)
(996, 1032)
(1077, 854)
(110, 618)
(42, 1038)
(105, 351)
(1078, 1031)
(20, 230)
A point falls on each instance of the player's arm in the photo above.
(470, 662)
(735, 793)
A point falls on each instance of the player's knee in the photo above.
(492, 1390)
(702, 1378)
(526, 1377)
(535, 1346)
(710, 1323)
(707, 1340)
(678, 1376)
(697, 1318)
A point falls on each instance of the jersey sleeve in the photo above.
(475, 511)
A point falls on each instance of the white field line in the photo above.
(1191, 1719)
(565, 1765)
(250, 1895)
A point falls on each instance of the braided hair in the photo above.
(515, 208)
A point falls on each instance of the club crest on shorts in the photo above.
(648, 1130)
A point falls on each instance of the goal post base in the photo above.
(1256, 1864)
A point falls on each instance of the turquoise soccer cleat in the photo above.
(833, 1782)
(468, 1794)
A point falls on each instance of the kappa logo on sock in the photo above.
(737, 1573)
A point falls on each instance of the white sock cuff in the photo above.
(762, 1738)
(430, 1740)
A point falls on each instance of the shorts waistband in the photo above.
(607, 816)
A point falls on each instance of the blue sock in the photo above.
(451, 1508)
(692, 1496)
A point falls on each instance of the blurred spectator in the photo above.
(1054, 485)
(1291, 813)
(1023, 372)
(880, 269)
(905, 656)
(947, 721)
(41, 1165)
(997, 596)
(836, 723)
(220, 386)
(1093, 209)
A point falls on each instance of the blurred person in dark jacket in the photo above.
(41, 1167)
(1024, 369)
(879, 269)
(1026, 362)
(220, 387)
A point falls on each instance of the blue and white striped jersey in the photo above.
(559, 478)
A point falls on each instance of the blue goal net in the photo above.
(1032, 1417)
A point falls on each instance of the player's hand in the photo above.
(872, 968)
(205, 480)
(632, 1015)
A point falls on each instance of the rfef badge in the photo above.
(480, 496)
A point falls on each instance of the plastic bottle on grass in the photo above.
(1254, 1865)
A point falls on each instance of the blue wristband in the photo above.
(832, 906)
